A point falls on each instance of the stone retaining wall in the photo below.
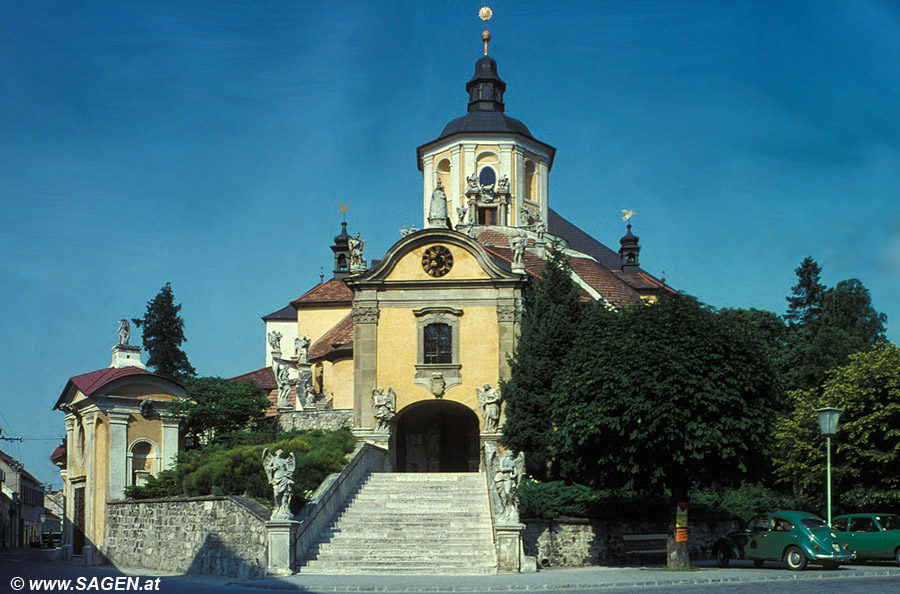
(210, 535)
(571, 542)
(328, 419)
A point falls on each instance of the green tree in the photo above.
(848, 324)
(662, 397)
(866, 454)
(805, 301)
(163, 334)
(548, 327)
(217, 407)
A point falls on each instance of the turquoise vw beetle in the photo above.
(870, 536)
(797, 538)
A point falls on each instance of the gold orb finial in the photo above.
(485, 15)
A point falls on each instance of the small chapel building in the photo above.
(403, 350)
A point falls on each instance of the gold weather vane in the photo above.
(485, 15)
(628, 214)
(343, 208)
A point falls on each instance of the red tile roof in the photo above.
(338, 340)
(93, 382)
(334, 291)
(58, 454)
(264, 379)
(604, 281)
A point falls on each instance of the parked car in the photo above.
(870, 536)
(797, 538)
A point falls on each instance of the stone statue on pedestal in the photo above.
(302, 347)
(280, 474)
(437, 210)
(518, 243)
(384, 407)
(274, 339)
(124, 331)
(507, 473)
(357, 262)
(489, 398)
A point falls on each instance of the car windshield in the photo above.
(889, 522)
(814, 523)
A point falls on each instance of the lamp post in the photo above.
(828, 420)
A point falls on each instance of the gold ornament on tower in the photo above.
(485, 15)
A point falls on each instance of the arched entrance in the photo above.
(436, 436)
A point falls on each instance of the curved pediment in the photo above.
(436, 255)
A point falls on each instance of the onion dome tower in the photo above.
(630, 251)
(491, 168)
(341, 251)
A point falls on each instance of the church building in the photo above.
(408, 350)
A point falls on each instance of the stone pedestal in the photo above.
(511, 556)
(280, 534)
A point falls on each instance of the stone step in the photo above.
(420, 569)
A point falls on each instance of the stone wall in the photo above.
(570, 542)
(210, 535)
(328, 419)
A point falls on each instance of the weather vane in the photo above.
(485, 15)
(343, 208)
(628, 214)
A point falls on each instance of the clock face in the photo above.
(437, 261)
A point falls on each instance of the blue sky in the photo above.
(207, 144)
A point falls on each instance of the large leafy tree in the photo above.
(163, 334)
(662, 397)
(216, 407)
(549, 324)
(866, 460)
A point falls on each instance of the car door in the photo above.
(777, 538)
(864, 536)
(756, 534)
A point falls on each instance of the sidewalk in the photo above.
(565, 579)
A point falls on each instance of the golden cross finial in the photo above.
(628, 214)
(485, 15)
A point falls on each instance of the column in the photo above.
(519, 187)
(457, 184)
(545, 190)
(428, 185)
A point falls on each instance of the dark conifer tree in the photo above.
(163, 333)
(805, 301)
(548, 327)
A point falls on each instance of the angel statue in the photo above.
(301, 345)
(383, 408)
(508, 471)
(356, 245)
(274, 339)
(489, 399)
(280, 473)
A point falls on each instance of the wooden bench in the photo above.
(643, 545)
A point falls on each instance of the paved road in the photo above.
(743, 578)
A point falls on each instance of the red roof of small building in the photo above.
(338, 340)
(93, 382)
(333, 292)
(58, 454)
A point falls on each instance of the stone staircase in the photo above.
(434, 523)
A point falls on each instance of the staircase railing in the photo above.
(328, 500)
(488, 479)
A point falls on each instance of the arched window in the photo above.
(530, 182)
(143, 459)
(342, 262)
(438, 344)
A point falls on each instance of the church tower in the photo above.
(492, 171)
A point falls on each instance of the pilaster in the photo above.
(365, 346)
(519, 187)
(455, 191)
(169, 446)
(428, 185)
(118, 454)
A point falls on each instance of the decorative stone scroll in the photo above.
(280, 474)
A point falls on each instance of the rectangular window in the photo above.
(487, 216)
(438, 344)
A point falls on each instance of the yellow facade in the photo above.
(465, 266)
(315, 322)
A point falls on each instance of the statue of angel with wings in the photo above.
(383, 408)
(280, 474)
(508, 472)
(489, 400)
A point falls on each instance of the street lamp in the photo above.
(828, 419)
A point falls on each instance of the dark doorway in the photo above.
(436, 436)
(78, 521)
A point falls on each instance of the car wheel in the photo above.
(758, 563)
(795, 559)
(897, 555)
(722, 557)
(830, 565)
